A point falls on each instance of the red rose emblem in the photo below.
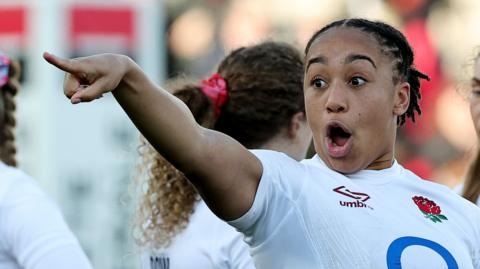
(436, 210)
(429, 208)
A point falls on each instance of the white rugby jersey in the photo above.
(207, 242)
(306, 215)
(33, 233)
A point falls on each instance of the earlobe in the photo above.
(401, 98)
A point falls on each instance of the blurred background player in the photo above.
(33, 233)
(256, 97)
(471, 187)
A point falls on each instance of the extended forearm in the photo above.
(163, 119)
(224, 172)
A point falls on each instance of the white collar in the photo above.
(368, 176)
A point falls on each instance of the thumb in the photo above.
(90, 92)
(66, 65)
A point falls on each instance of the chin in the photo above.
(343, 165)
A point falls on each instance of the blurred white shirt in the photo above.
(33, 233)
(207, 242)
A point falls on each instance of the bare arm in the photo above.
(224, 172)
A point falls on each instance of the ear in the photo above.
(295, 124)
(401, 98)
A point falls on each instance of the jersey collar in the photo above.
(367, 176)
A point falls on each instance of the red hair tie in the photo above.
(216, 89)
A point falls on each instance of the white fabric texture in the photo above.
(33, 233)
(306, 215)
(207, 242)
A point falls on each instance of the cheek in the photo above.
(313, 108)
(371, 110)
(373, 115)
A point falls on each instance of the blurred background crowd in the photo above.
(85, 158)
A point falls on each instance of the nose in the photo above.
(337, 100)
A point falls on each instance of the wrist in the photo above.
(131, 72)
(128, 67)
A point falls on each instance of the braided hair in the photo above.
(394, 44)
(7, 115)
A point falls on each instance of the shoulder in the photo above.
(449, 197)
(280, 171)
(277, 164)
(284, 163)
(32, 226)
(16, 185)
(274, 158)
(23, 200)
(429, 185)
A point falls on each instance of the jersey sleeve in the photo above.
(35, 232)
(280, 185)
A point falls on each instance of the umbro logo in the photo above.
(355, 195)
(360, 197)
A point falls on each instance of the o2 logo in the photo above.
(396, 248)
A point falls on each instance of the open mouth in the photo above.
(338, 139)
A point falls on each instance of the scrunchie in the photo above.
(215, 88)
(4, 68)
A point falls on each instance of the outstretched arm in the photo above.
(224, 172)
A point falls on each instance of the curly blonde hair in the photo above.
(167, 200)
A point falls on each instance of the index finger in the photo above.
(66, 65)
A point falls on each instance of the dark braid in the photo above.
(8, 122)
(393, 43)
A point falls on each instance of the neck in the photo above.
(282, 144)
(379, 165)
(384, 162)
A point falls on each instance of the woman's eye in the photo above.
(357, 81)
(319, 83)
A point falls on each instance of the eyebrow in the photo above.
(355, 57)
(349, 59)
(319, 59)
